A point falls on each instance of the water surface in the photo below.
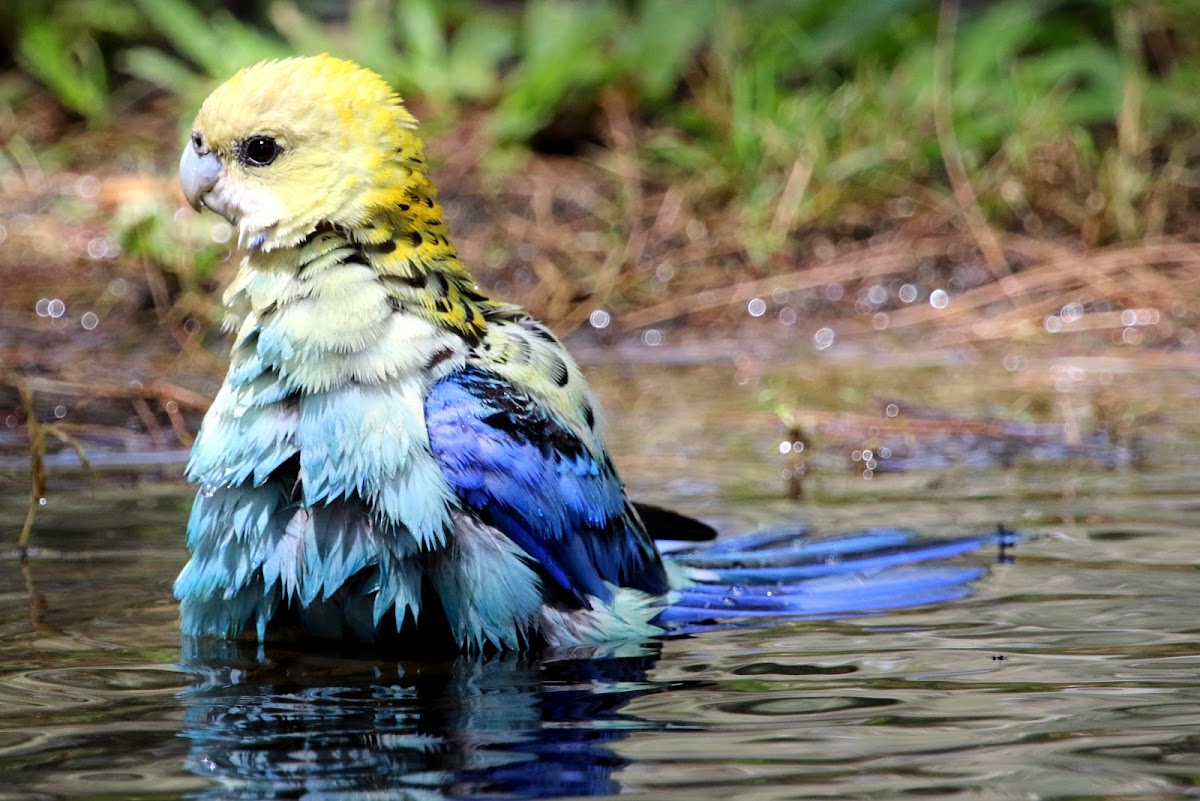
(1072, 673)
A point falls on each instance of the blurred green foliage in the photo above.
(1076, 116)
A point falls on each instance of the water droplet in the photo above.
(868, 455)
(88, 186)
(834, 292)
(823, 338)
(856, 456)
(885, 452)
(787, 316)
(1053, 324)
(665, 271)
(56, 308)
(42, 307)
(171, 407)
(60, 411)
(89, 321)
(1071, 312)
(41, 501)
(1131, 336)
(939, 298)
(868, 474)
(599, 319)
(221, 232)
(191, 326)
(1012, 191)
(757, 307)
(903, 207)
(652, 338)
(1012, 362)
(695, 229)
(97, 247)
(785, 447)
(877, 294)
(908, 293)
(891, 410)
(11, 421)
(118, 287)
(880, 321)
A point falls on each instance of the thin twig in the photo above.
(38, 432)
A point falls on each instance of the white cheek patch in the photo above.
(253, 209)
(261, 211)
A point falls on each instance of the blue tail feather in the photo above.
(798, 551)
(840, 602)
(777, 574)
(844, 563)
(749, 542)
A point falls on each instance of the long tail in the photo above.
(787, 574)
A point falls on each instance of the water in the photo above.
(1072, 673)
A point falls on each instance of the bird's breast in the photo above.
(326, 375)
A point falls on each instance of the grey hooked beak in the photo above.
(199, 170)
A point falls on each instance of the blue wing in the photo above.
(524, 473)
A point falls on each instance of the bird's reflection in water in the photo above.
(306, 726)
(299, 726)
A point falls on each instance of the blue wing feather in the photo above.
(523, 472)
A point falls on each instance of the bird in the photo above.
(399, 460)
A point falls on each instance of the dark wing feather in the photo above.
(667, 524)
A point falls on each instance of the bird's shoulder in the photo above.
(531, 363)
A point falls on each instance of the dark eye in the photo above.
(259, 151)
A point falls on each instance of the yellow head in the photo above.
(284, 147)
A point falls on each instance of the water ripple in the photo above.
(1074, 673)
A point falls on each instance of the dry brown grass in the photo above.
(566, 237)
